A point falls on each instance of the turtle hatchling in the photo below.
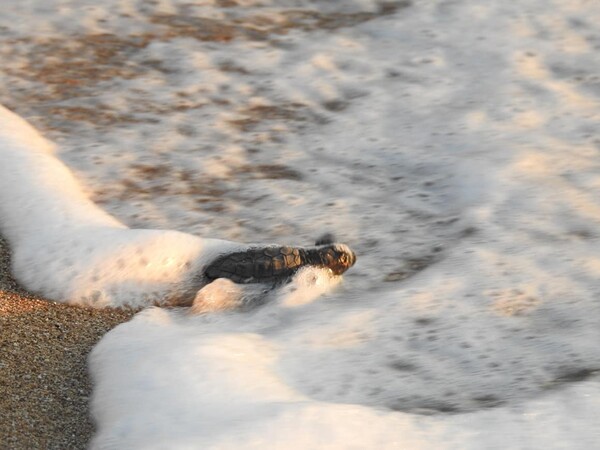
(277, 264)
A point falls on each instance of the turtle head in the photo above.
(337, 257)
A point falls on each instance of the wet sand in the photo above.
(44, 383)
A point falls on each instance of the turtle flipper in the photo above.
(327, 238)
(276, 264)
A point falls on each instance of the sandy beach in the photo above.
(43, 376)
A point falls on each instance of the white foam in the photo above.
(68, 249)
(459, 161)
(198, 383)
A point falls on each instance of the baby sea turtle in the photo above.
(277, 264)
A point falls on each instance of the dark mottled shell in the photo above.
(276, 263)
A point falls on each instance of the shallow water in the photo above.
(453, 145)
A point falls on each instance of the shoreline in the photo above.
(44, 380)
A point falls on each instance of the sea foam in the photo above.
(69, 250)
(452, 144)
